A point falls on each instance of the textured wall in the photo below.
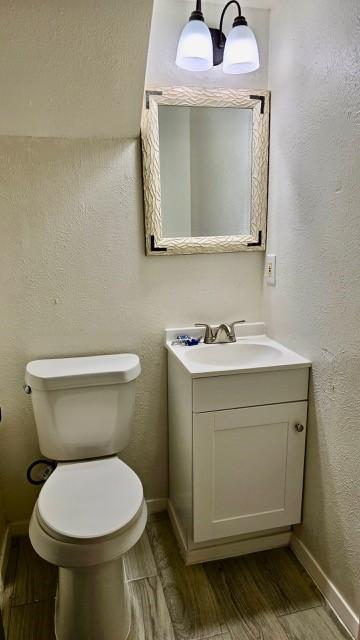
(75, 280)
(72, 68)
(314, 228)
(73, 275)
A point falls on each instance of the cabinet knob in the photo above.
(299, 427)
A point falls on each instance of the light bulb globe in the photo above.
(241, 54)
(195, 50)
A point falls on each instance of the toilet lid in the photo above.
(90, 499)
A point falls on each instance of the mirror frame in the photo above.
(259, 102)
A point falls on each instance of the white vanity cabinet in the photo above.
(236, 458)
(247, 469)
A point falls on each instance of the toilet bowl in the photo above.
(89, 512)
(87, 516)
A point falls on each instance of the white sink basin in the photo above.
(236, 353)
(252, 351)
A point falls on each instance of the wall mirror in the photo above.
(205, 170)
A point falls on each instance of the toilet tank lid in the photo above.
(86, 371)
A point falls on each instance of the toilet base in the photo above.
(93, 603)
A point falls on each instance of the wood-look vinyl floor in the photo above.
(263, 596)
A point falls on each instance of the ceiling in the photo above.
(251, 4)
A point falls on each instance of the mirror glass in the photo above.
(205, 169)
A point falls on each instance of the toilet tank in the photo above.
(84, 406)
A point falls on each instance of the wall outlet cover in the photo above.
(270, 269)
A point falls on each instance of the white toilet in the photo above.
(91, 510)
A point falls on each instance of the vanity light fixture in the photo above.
(201, 48)
(195, 48)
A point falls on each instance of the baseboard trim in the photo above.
(21, 527)
(177, 530)
(223, 550)
(4, 558)
(155, 505)
(337, 602)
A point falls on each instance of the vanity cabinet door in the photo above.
(248, 469)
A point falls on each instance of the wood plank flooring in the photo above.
(264, 596)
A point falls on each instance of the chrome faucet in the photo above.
(221, 334)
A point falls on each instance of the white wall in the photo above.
(75, 280)
(314, 228)
(74, 277)
(72, 68)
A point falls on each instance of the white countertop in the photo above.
(252, 352)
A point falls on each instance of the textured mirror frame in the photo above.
(259, 102)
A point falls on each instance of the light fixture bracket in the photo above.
(218, 41)
(240, 21)
(217, 35)
(197, 14)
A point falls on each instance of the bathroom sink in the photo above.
(237, 353)
(253, 351)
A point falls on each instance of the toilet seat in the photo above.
(87, 502)
(83, 553)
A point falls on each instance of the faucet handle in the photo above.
(232, 326)
(209, 336)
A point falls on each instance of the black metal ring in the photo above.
(48, 463)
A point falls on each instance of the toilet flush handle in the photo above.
(27, 389)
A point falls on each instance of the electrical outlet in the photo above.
(270, 269)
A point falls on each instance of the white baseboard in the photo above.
(4, 557)
(155, 505)
(21, 527)
(177, 530)
(223, 550)
(337, 602)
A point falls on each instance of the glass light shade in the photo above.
(195, 50)
(241, 53)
